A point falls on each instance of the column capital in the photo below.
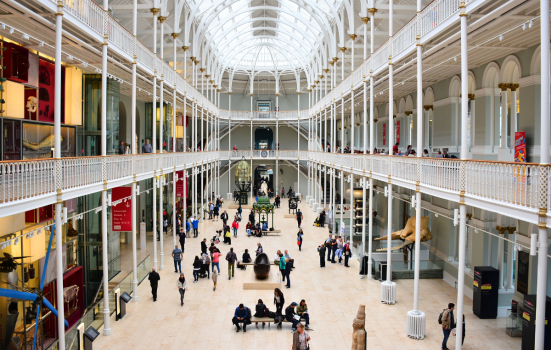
(207, 76)
(352, 36)
(202, 70)
(501, 230)
(162, 19)
(343, 49)
(155, 11)
(365, 20)
(503, 86)
(185, 48)
(326, 70)
(372, 11)
(408, 112)
(427, 107)
(174, 35)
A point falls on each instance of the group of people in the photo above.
(293, 313)
(335, 247)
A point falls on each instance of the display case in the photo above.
(38, 140)
(11, 139)
(513, 323)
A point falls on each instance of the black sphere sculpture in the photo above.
(262, 266)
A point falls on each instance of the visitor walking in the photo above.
(206, 264)
(214, 278)
(300, 338)
(177, 255)
(154, 279)
(347, 254)
(321, 251)
(204, 246)
(279, 300)
(196, 269)
(299, 239)
(216, 260)
(224, 218)
(259, 249)
(195, 223)
(182, 287)
(235, 226)
(448, 323)
(231, 258)
(299, 217)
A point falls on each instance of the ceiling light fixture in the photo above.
(501, 37)
(25, 36)
(11, 30)
(531, 23)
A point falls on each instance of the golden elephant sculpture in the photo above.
(408, 234)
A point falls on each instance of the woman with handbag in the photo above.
(279, 301)
(299, 239)
(300, 339)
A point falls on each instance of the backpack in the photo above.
(440, 317)
(207, 259)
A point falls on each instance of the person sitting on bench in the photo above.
(265, 226)
(302, 311)
(290, 315)
(258, 231)
(241, 316)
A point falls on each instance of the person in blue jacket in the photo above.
(195, 223)
(241, 316)
(188, 228)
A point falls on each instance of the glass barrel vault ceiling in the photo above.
(264, 35)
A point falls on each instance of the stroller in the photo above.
(317, 221)
(216, 239)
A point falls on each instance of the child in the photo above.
(214, 278)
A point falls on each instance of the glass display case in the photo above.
(11, 139)
(38, 140)
(513, 323)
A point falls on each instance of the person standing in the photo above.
(231, 258)
(347, 254)
(235, 226)
(321, 251)
(340, 246)
(121, 148)
(182, 287)
(279, 300)
(282, 265)
(328, 243)
(154, 279)
(188, 229)
(322, 218)
(216, 212)
(206, 263)
(177, 255)
(204, 246)
(300, 338)
(251, 217)
(214, 278)
(147, 147)
(299, 217)
(195, 223)
(165, 226)
(224, 218)
(216, 260)
(240, 211)
(448, 323)
(299, 239)
(288, 265)
(283, 192)
(196, 269)
(182, 238)
(333, 249)
(259, 249)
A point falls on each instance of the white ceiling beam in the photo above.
(131, 7)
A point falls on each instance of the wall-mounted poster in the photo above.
(46, 91)
(520, 146)
(398, 131)
(384, 134)
(523, 269)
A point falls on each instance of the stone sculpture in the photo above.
(408, 234)
(359, 334)
(261, 266)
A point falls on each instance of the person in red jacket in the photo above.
(235, 226)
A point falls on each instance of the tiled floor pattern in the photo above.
(333, 295)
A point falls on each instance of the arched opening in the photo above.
(263, 138)
(262, 173)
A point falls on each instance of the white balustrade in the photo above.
(119, 36)
(119, 167)
(26, 179)
(80, 171)
(442, 173)
(404, 168)
(86, 11)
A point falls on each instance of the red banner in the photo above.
(122, 212)
(520, 146)
(180, 184)
(384, 134)
(398, 131)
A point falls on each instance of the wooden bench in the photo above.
(271, 233)
(251, 263)
(267, 320)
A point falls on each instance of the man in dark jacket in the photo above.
(251, 217)
(290, 315)
(121, 148)
(321, 251)
(204, 246)
(241, 316)
(154, 282)
(224, 218)
(322, 218)
(231, 258)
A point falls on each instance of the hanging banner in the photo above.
(384, 134)
(520, 146)
(180, 184)
(121, 212)
(398, 131)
